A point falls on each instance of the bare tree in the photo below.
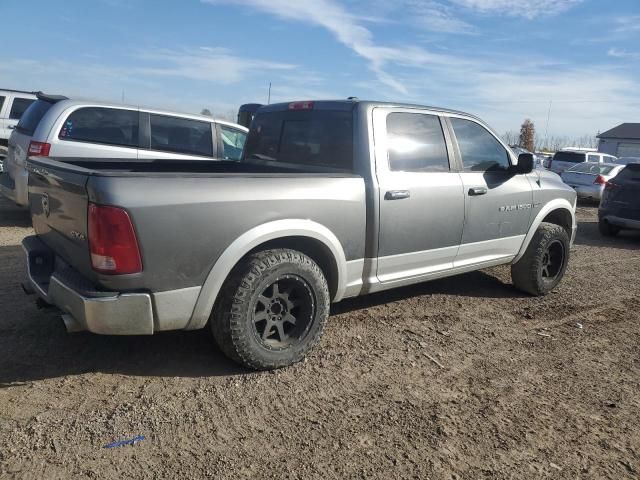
(527, 135)
(207, 112)
(511, 137)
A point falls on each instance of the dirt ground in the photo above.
(461, 378)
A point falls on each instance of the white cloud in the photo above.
(337, 20)
(216, 65)
(618, 53)
(519, 8)
(627, 24)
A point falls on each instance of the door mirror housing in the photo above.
(525, 163)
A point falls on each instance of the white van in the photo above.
(55, 126)
(13, 103)
(566, 159)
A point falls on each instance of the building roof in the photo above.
(625, 130)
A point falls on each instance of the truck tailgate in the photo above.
(58, 202)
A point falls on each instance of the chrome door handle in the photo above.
(397, 194)
(475, 191)
(11, 127)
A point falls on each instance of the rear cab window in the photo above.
(110, 126)
(569, 157)
(181, 135)
(32, 116)
(314, 139)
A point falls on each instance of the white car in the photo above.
(13, 103)
(55, 126)
(566, 159)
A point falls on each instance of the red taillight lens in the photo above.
(112, 241)
(39, 149)
(600, 180)
(301, 106)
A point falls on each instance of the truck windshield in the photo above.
(313, 138)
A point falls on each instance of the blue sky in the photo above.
(501, 59)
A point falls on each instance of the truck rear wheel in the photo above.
(272, 309)
(544, 263)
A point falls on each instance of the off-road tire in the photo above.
(527, 273)
(608, 230)
(232, 320)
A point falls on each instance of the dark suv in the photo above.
(620, 206)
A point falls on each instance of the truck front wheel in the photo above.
(544, 263)
(272, 309)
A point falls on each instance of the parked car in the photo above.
(620, 206)
(13, 103)
(565, 159)
(63, 128)
(589, 179)
(331, 199)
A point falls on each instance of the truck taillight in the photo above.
(600, 180)
(39, 149)
(112, 241)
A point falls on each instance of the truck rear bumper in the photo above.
(84, 307)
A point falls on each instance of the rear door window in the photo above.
(232, 142)
(480, 151)
(416, 143)
(181, 135)
(110, 126)
(19, 106)
(1, 102)
(310, 138)
(570, 157)
(593, 158)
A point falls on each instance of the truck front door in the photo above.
(498, 202)
(420, 195)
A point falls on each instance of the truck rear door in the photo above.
(58, 201)
(420, 195)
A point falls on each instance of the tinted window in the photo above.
(181, 135)
(479, 149)
(416, 143)
(1, 101)
(111, 126)
(232, 142)
(630, 172)
(571, 157)
(32, 116)
(19, 106)
(322, 138)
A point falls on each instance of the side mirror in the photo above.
(525, 163)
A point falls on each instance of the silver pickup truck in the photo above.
(331, 199)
